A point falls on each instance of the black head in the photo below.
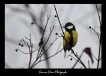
(69, 26)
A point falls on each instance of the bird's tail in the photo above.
(64, 54)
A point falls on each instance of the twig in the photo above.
(44, 33)
(27, 38)
(58, 19)
(100, 58)
(98, 14)
(50, 46)
(46, 24)
(96, 32)
(100, 37)
(38, 26)
(60, 24)
(26, 53)
(77, 60)
(43, 53)
(46, 41)
(49, 36)
(81, 67)
(95, 57)
(41, 40)
(30, 52)
(48, 57)
(53, 54)
(88, 64)
(58, 47)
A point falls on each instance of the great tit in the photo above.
(70, 37)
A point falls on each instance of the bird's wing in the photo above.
(75, 37)
(66, 39)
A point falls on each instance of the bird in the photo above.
(70, 37)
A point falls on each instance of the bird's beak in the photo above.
(63, 26)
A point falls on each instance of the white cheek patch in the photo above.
(70, 27)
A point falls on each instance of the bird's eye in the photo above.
(69, 27)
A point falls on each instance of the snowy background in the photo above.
(18, 26)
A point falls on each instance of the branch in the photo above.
(43, 53)
(100, 58)
(95, 57)
(30, 50)
(81, 67)
(48, 57)
(53, 54)
(95, 31)
(48, 17)
(47, 39)
(100, 37)
(58, 19)
(60, 23)
(41, 41)
(88, 64)
(78, 58)
(24, 52)
(98, 13)
(75, 59)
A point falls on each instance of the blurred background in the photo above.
(18, 19)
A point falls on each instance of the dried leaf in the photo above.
(88, 52)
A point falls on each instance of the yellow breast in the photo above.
(75, 37)
(67, 37)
